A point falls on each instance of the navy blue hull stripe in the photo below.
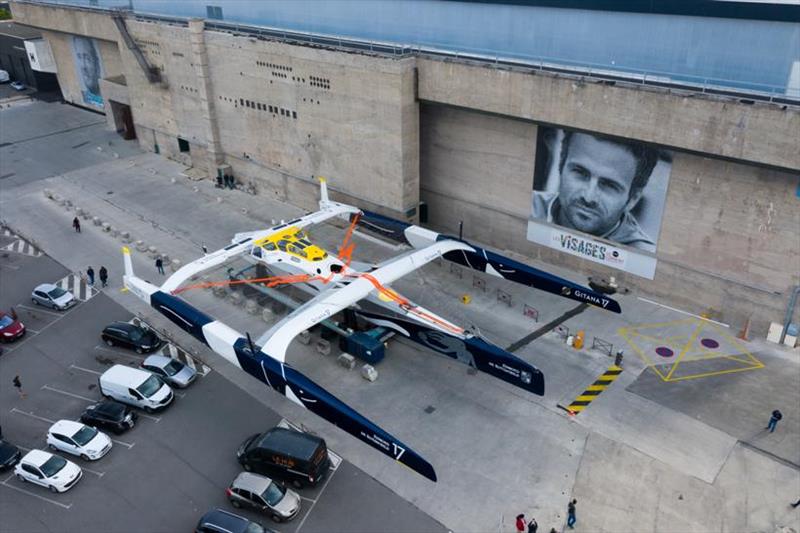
(474, 352)
(506, 267)
(181, 314)
(324, 404)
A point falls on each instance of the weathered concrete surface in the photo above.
(761, 133)
(728, 244)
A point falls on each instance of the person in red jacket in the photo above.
(520, 523)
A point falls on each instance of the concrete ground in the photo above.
(675, 444)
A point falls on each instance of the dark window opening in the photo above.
(183, 145)
(294, 114)
(214, 12)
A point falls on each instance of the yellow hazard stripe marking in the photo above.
(593, 391)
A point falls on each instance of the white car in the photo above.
(17, 85)
(78, 439)
(48, 470)
(4, 76)
(53, 296)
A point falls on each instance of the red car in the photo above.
(11, 329)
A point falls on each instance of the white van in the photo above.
(135, 387)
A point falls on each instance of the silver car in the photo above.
(170, 370)
(263, 494)
(53, 296)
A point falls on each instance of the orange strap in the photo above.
(346, 250)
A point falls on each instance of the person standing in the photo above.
(533, 526)
(76, 224)
(103, 276)
(160, 265)
(571, 519)
(773, 421)
(520, 523)
(18, 384)
(795, 504)
(90, 275)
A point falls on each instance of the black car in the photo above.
(110, 415)
(9, 455)
(219, 521)
(130, 336)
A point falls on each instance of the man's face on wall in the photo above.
(595, 184)
(88, 62)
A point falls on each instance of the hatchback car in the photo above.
(131, 336)
(9, 455)
(219, 521)
(113, 416)
(78, 439)
(50, 295)
(48, 470)
(11, 329)
(170, 370)
(264, 495)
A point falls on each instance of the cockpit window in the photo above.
(293, 248)
(282, 245)
(269, 246)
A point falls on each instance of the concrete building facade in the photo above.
(391, 130)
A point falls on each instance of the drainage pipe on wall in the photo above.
(789, 313)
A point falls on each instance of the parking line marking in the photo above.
(43, 419)
(36, 495)
(34, 331)
(95, 372)
(311, 507)
(91, 400)
(128, 445)
(154, 418)
(40, 309)
(102, 348)
(96, 473)
(9, 477)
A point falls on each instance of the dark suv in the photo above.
(130, 336)
(297, 457)
(110, 415)
(219, 521)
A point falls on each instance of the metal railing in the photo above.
(746, 92)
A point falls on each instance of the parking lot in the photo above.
(163, 474)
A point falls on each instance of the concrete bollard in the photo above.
(55, 197)
(175, 265)
(47, 193)
(125, 236)
(68, 204)
(78, 211)
(114, 231)
(165, 259)
(369, 373)
(140, 246)
(96, 221)
(105, 226)
(86, 215)
(152, 251)
(346, 360)
(323, 347)
(251, 306)
(267, 316)
(304, 337)
(235, 298)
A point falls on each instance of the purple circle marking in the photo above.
(709, 343)
(663, 351)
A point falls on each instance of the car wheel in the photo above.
(248, 467)
(21, 478)
(149, 410)
(35, 301)
(109, 342)
(236, 504)
(276, 518)
(85, 457)
(297, 484)
(51, 447)
(53, 489)
(139, 350)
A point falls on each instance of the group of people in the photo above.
(102, 274)
(532, 526)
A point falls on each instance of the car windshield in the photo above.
(53, 466)
(135, 334)
(252, 527)
(57, 293)
(6, 321)
(273, 494)
(149, 387)
(84, 435)
(173, 367)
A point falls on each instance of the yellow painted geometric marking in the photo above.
(693, 359)
(593, 391)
